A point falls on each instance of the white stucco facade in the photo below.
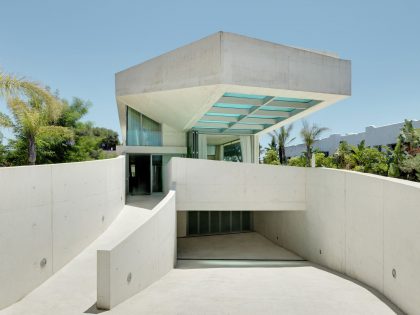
(374, 136)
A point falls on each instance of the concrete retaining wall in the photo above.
(219, 185)
(140, 259)
(49, 214)
(364, 226)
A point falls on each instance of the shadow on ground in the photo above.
(94, 310)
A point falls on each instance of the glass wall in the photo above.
(141, 130)
(232, 152)
(218, 222)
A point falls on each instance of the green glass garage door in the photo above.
(218, 222)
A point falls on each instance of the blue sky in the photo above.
(77, 46)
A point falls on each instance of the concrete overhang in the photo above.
(182, 87)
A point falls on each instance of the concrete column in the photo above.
(256, 149)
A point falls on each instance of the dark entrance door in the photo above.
(139, 181)
(157, 173)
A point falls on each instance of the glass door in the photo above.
(139, 174)
(157, 173)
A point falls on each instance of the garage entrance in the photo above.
(218, 222)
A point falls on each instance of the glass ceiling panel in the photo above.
(276, 108)
(264, 116)
(241, 106)
(222, 114)
(288, 99)
(239, 95)
(213, 121)
(253, 123)
(205, 127)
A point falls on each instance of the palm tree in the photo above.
(33, 117)
(310, 134)
(282, 138)
(343, 156)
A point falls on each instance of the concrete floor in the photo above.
(278, 290)
(145, 201)
(196, 287)
(232, 246)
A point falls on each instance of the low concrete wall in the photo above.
(220, 185)
(364, 226)
(49, 214)
(132, 264)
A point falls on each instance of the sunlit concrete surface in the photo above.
(145, 201)
(205, 287)
(232, 246)
(72, 290)
(277, 290)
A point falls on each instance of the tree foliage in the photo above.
(48, 129)
(401, 162)
(271, 157)
(34, 112)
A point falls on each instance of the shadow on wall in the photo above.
(361, 225)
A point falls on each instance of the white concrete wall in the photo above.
(228, 58)
(253, 62)
(220, 185)
(137, 261)
(52, 212)
(172, 137)
(360, 225)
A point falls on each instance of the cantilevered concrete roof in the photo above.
(232, 84)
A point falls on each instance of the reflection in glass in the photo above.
(141, 130)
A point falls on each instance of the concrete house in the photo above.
(199, 99)
(212, 99)
(174, 226)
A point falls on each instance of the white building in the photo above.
(374, 137)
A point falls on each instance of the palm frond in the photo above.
(13, 86)
(5, 121)
(29, 118)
